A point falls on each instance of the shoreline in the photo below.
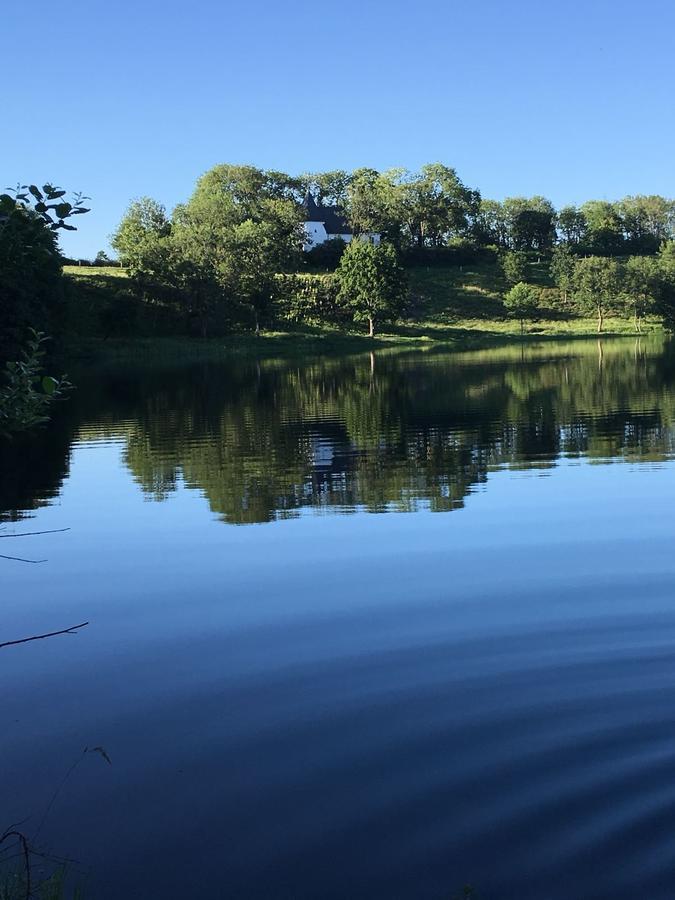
(327, 342)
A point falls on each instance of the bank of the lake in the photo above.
(452, 307)
(306, 343)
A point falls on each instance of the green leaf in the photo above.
(49, 384)
(62, 210)
(35, 191)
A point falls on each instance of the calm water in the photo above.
(373, 627)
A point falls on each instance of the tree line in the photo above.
(596, 285)
(231, 257)
(219, 256)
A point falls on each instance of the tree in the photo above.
(371, 282)
(490, 224)
(562, 269)
(31, 283)
(249, 267)
(102, 258)
(141, 238)
(437, 205)
(596, 285)
(666, 275)
(572, 225)
(641, 282)
(327, 188)
(514, 266)
(530, 222)
(647, 221)
(374, 204)
(521, 301)
(604, 228)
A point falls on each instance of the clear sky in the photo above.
(570, 99)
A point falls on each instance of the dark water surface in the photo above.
(368, 627)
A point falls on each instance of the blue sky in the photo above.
(572, 99)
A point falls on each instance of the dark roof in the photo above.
(333, 220)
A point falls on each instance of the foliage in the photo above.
(572, 226)
(326, 255)
(141, 238)
(515, 266)
(641, 285)
(666, 298)
(562, 269)
(311, 299)
(31, 287)
(420, 209)
(371, 282)
(530, 222)
(327, 188)
(26, 394)
(222, 249)
(596, 285)
(216, 262)
(521, 301)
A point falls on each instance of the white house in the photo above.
(326, 223)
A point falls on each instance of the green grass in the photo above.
(458, 302)
(95, 271)
(455, 306)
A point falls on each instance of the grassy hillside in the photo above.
(451, 299)
(454, 304)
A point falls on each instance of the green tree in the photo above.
(141, 239)
(31, 283)
(371, 282)
(249, 267)
(596, 285)
(641, 283)
(514, 266)
(572, 225)
(666, 274)
(647, 221)
(374, 204)
(530, 222)
(562, 270)
(521, 302)
(327, 188)
(604, 228)
(490, 224)
(437, 205)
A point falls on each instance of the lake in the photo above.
(375, 626)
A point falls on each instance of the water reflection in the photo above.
(383, 432)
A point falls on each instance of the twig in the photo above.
(30, 533)
(20, 558)
(39, 637)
